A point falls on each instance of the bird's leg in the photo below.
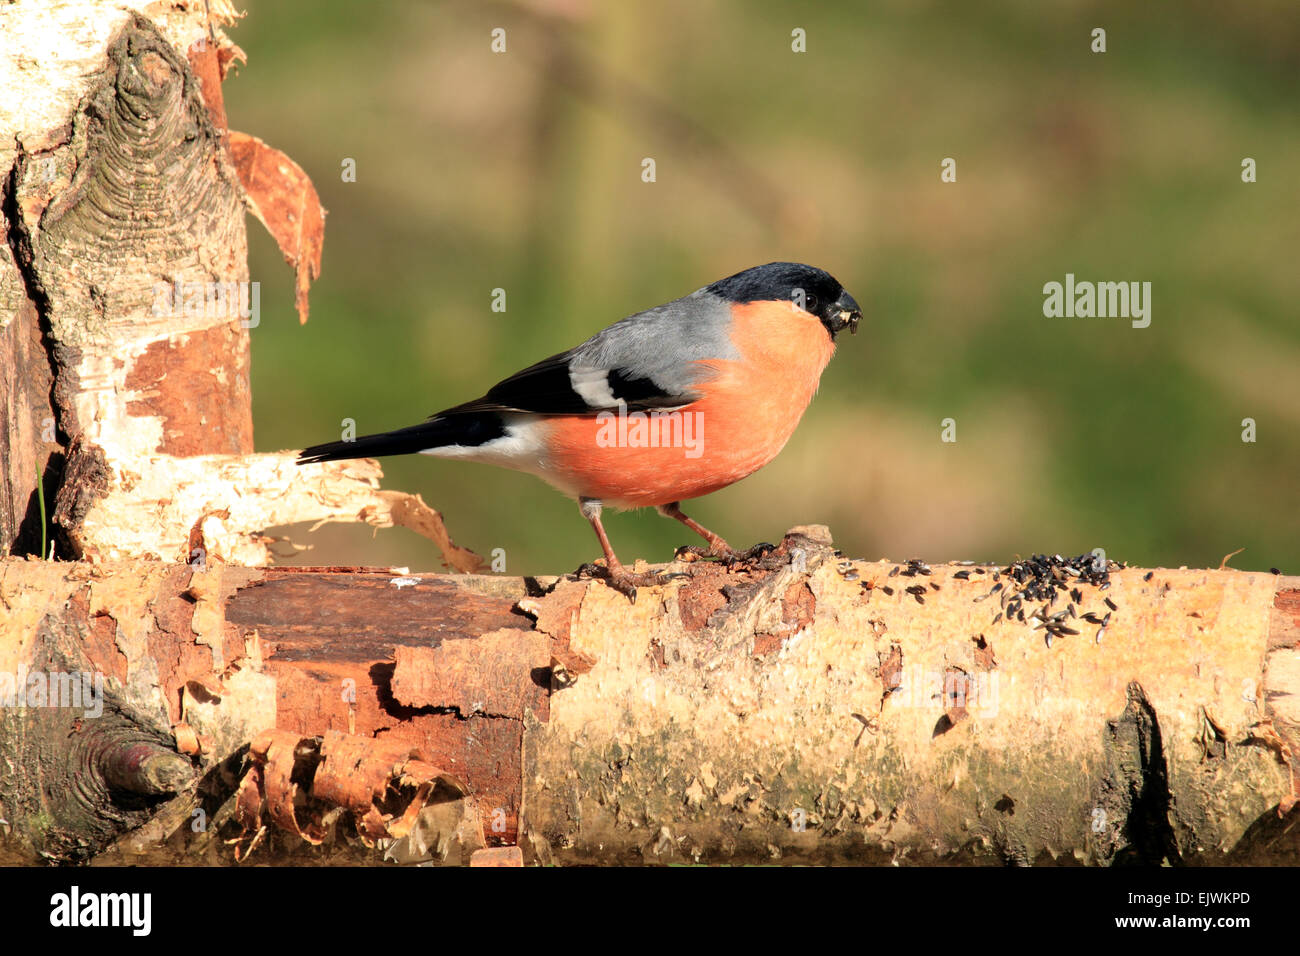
(591, 509)
(619, 578)
(718, 548)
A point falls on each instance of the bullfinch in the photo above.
(666, 405)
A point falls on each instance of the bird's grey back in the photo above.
(663, 343)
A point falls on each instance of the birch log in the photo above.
(791, 710)
(820, 720)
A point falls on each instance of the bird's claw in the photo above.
(626, 582)
(692, 552)
(728, 556)
(623, 585)
(757, 553)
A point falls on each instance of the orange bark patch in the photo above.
(556, 614)
(284, 200)
(798, 608)
(500, 674)
(208, 68)
(891, 672)
(957, 690)
(100, 643)
(330, 639)
(702, 596)
(180, 380)
(383, 785)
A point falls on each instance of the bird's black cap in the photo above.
(813, 289)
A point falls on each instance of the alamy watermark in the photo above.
(1102, 300)
(655, 429)
(211, 300)
(82, 690)
(75, 909)
(975, 693)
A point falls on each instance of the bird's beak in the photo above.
(848, 313)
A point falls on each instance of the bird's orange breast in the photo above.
(748, 410)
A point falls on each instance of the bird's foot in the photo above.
(727, 555)
(626, 582)
(755, 555)
(698, 552)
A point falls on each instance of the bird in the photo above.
(661, 407)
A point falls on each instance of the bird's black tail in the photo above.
(471, 430)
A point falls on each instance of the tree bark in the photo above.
(822, 721)
(791, 710)
(125, 301)
(125, 413)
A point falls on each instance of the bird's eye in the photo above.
(810, 302)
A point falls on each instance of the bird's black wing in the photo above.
(654, 359)
(564, 385)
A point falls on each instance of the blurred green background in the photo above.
(522, 171)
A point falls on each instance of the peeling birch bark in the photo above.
(124, 297)
(201, 661)
(843, 742)
(216, 506)
(383, 787)
(785, 710)
(129, 197)
(116, 187)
